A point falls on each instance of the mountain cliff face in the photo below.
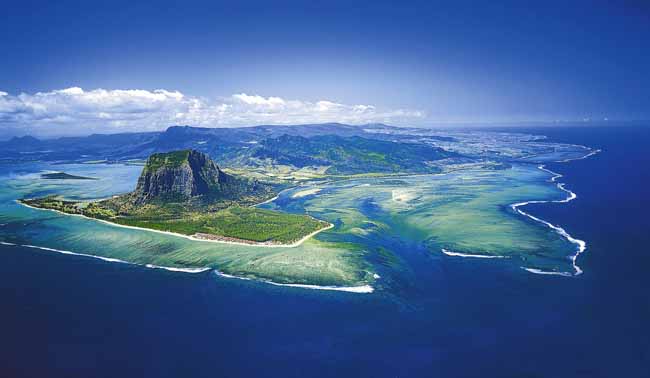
(190, 175)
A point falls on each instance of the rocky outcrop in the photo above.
(189, 175)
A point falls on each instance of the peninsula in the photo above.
(185, 192)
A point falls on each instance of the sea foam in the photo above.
(458, 254)
(581, 245)
(351, 289)
(364, 289)
(108, 259)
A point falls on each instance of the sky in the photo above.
(77, 67)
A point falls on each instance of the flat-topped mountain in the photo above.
(190, 175)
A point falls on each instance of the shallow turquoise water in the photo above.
(384, 218)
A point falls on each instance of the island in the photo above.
(374, 196)
(64, 176)
(184, 192)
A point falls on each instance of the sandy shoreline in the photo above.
(193, 237)
(365, 289)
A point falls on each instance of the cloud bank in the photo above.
(76, 111)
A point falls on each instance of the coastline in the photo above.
(362, 289)
(193, 237)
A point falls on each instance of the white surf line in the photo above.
(363, 289)
(592, 153)
(185, 270)
(452, 253)
(190, 237)
(66, 252)
(108, 259)
(581, 244)
(546, 272)
(351, 289)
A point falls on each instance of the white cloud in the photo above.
(76, 111)
(271, 102)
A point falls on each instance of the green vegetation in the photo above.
(64, 176)
(374, 187)
(235, 222)
(54, 203)
(314, 262)
(192, 178)
(351, 155)
(241, 223)
(172, 159)
(185, 192)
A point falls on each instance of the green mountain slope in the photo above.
(350, 155)
(189, 175)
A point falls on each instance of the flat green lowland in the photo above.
(235, 223)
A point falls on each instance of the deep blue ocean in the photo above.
(70, 316)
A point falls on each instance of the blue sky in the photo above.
(418, 63)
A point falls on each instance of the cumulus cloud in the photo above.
(77, 111)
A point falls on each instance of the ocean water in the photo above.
(70, 316)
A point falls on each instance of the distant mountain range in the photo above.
(345, 149)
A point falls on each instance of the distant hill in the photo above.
(224, 144)
(64, 176)
(346, 149)
(350, 155)
(24, 141)
(189, 175)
